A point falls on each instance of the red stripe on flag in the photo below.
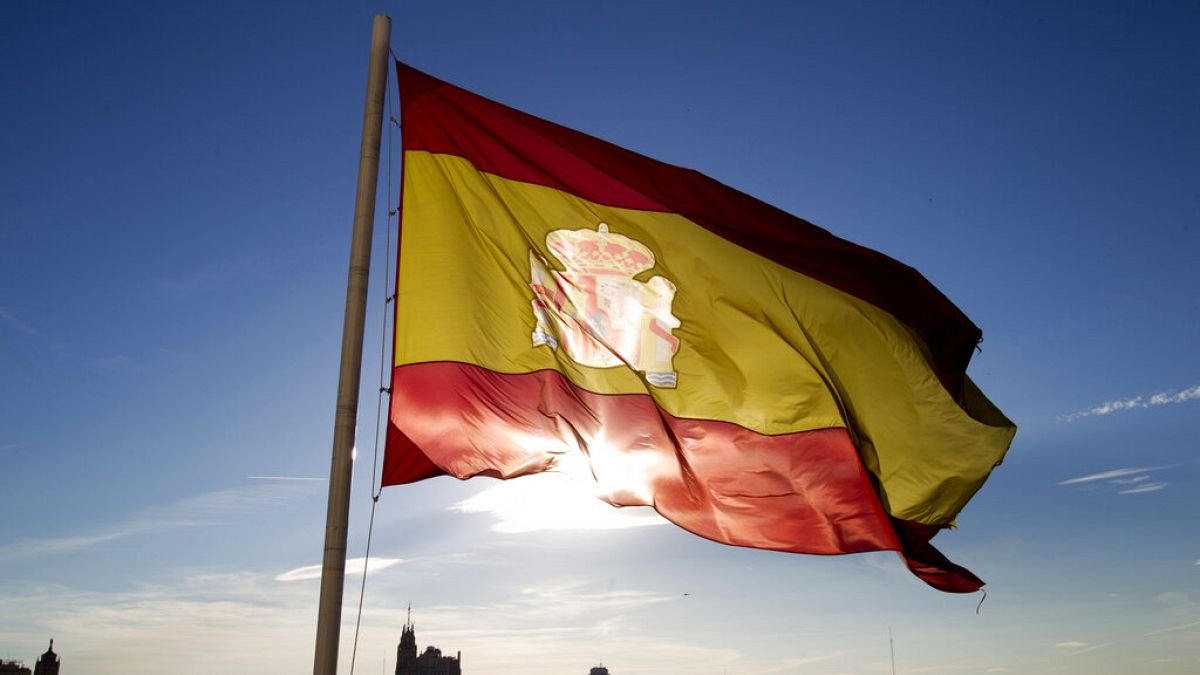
(804, 492)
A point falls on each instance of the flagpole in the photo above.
(333, 567)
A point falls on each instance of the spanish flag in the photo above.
(755, 379)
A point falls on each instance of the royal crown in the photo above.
(599, 251)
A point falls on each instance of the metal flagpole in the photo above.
(333, 568)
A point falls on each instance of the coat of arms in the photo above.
(597, 311)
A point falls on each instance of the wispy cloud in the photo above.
(1075, 648)
(576, 597)
(213, 276)
(10, 320)
(247, 622)
(353, 566)
(110, 363)
(552, 501)
(196, 510)
(229, 622)
(33, 548)
(1135, 403)
(1174, 599)
(791, 665)
(1129, 481)
(1106, 475)
(1148, 487)
(551, 627)
(13, 322)
(1172, 629)
(888, 562)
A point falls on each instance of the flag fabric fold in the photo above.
(755, 379)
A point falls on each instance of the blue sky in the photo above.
(176, 185)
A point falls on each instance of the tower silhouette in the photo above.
(429, 662)
(48, 663)
(406, 653)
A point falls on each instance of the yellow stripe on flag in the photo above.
(760, 345)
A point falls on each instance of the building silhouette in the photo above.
(429, 662)
(598, 670)
(13, 668)
(48, 663)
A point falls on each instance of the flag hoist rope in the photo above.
(383, 371)
(333, 566)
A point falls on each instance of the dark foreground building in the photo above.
(48, 663)
(598, 670)
(13, 668)
(430, 662)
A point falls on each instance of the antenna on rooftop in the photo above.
(892, 647)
